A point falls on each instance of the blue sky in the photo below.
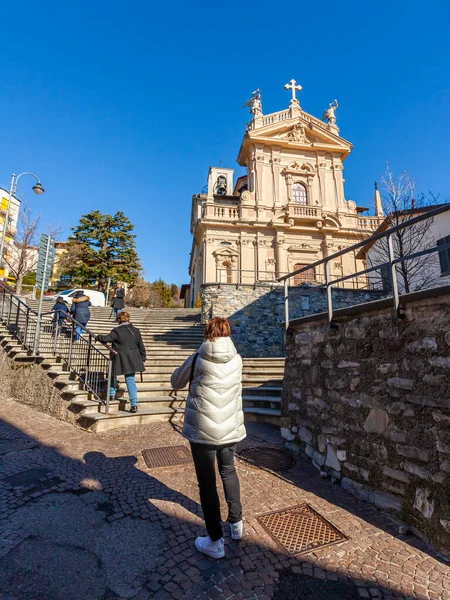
(124, 105)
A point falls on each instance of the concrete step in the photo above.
(263, 415)
(81, 404)
(99, 422)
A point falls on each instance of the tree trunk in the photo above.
(19, 281)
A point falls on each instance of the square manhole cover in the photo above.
(167, 456)
(300, 529)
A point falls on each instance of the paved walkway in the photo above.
(82, 518)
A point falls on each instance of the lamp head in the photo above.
(38, 189)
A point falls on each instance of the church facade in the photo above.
(289, 209)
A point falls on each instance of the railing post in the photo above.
(329, 291)
(71, 344)
(9, 311)
(393, 272)
(286, 304)
(56, 332)
(108, 386)
(286, 311)
(88, 359)
(3, 302)
(27, 319)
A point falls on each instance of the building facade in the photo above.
(288, 210)
(11, 228)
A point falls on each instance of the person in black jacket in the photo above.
(129, 355)
(80, 311)
(60, 312)
(118, 302)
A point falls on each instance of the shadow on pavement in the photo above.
(102, 529)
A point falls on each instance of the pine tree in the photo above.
(101, 246)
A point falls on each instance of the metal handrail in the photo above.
(91, 365)
(391, 263)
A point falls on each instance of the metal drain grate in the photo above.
(273, 459)
(168, 456)
(300, 529)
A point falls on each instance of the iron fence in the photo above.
(63, 338)
(374, 272)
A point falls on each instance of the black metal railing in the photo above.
(63, 338)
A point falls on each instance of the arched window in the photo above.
(306, 276)
(299, 194)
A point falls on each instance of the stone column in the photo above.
(276, 167)
(259, 168)
(281, 267)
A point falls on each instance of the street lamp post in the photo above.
(37, 189)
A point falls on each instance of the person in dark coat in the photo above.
(129, 355)
(80, 311)
(118, 302)
(60, 312)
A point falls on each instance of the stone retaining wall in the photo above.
(256, 312)
(369, 402)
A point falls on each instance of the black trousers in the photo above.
(204, 456)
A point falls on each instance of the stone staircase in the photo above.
(170, 336)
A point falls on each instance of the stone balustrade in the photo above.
(222, 212)
(306, 212)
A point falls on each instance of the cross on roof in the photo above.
(292, 86)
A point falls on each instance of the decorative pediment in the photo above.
(297, 133)
(225, 252)
(301, 131)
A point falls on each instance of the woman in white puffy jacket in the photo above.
(214, 424)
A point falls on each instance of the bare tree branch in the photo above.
(401, 202)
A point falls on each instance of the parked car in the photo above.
(96, 298)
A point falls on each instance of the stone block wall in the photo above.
(256, 312)
(369, 402)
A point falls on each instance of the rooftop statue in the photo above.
(329, 115)
(255, 104)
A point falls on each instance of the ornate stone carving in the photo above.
(351, 205)
(297, 134)
(302, 248)
(246, 196)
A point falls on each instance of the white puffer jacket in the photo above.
(213, 412)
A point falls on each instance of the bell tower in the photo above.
(220, 182)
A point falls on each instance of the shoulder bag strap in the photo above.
(191, 376)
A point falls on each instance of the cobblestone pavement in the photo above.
(82, 518)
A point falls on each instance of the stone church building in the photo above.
(289, 209)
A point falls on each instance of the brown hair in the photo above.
(123, 317)
(217, 327)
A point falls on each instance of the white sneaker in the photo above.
(212, 549)
(236, 530)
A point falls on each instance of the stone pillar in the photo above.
(259, 175)
(276, 167)
(248, 265)
(281, 267)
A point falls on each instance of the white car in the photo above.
(96, 298)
